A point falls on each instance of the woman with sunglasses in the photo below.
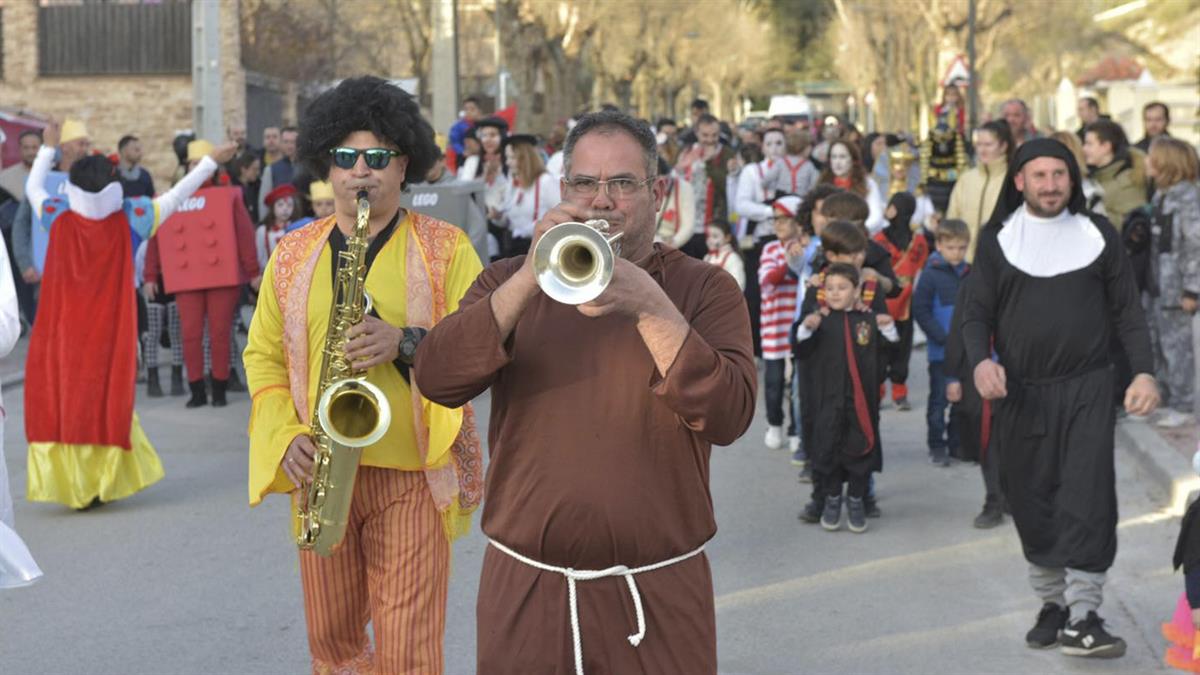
(416, 487)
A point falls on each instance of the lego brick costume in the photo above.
(207, 251)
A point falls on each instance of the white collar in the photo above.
(1048, 247)
(96, 205)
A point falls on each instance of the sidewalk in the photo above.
(12, 367)
(1165, 455)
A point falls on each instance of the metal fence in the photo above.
(115, 39)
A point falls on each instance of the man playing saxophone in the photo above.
(418, 484)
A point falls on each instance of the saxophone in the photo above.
(351, 413)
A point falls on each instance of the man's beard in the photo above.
(1035, 206)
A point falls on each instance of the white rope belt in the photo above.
(574, 575)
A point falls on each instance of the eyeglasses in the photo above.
(377, 158)
(615, 188)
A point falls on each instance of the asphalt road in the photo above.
(184, 578)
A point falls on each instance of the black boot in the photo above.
(218, 387)
(177, 381)
(95, 503)
(153, 388)
(199, 396)
(234, 382)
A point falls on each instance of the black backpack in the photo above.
(1136, 233)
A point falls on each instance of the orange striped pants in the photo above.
(392, 569)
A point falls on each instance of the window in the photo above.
(77, 37)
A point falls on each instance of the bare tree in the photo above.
(313, 40)
(1023, 49)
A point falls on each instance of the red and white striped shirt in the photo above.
(779, 288)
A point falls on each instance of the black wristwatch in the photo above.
(409, 339)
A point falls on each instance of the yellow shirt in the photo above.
(273, 418)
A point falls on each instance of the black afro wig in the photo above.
(366, 104)
(93, 173)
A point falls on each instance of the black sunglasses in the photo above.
(377, 158)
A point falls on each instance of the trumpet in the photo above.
(573, 262)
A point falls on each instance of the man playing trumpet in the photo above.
(417, 485)
(603, 418)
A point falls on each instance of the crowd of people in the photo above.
(1053, 277)
(850, 247)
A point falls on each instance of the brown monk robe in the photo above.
(598, 460)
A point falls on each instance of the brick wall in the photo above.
(153, 108)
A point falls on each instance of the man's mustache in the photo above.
(614, 218)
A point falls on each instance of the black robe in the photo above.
(838, 438)
(808, 305)
(1053, 432)
(970, 409)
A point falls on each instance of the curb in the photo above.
(1165, 466)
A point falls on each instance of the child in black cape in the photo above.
(841, 242)
(839, 343)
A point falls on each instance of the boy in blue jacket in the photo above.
(933, 307)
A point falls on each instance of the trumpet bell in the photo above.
(573, 263)
(354, 413)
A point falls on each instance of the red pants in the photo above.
(218, 305)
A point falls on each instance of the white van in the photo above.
(790, 106)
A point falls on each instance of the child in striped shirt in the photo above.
(778, 285)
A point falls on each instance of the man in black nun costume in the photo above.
(1052, 285)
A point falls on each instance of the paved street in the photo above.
(185, 579)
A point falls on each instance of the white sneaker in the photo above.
(793, 443)
(1172, 419)
(774, 438)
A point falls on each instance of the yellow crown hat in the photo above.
(198, 150)
(320, 189)
(72, 130)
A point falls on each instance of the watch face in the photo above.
(408, 347)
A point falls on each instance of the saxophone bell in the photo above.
(354, 413)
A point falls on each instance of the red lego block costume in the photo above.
(206, 252)
(198, 245)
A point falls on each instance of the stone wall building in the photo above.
(142, 100)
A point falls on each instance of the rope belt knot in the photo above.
(573, 575)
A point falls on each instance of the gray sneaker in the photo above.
(939, 457)
(799, 458)
(831, 517)
(856, 515)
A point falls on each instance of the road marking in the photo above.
(927, 560)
